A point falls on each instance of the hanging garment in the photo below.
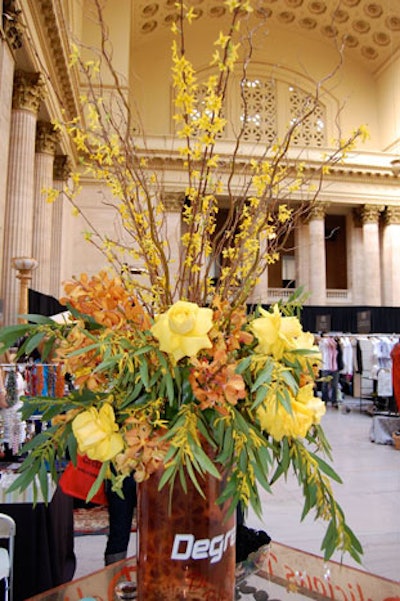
(395, 355)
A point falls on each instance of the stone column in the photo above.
(391, 257)
(302, 256)
(6, 79)
(259, 294)
(27, 95)
(317, 272)
(371, 255)
(46, 141)
(173, 224)
(356, 258)
(61, 173)
(10, 41)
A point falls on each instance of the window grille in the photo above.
(259, 110)
(311, 132)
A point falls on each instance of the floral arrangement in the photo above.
(171, 362)
(150, 393)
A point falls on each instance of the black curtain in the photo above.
(43, 304)
(355, 320)
(363, 319)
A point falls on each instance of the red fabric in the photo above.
(76, 481)
(395, 355)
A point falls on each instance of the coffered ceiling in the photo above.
(369, 30)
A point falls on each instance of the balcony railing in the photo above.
(333, 296)
(338, 297)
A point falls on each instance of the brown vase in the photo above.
(186, 550)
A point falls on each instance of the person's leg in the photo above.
(325, 386)
(334, 388)
(120, 513)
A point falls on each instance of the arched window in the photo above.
(266, 106)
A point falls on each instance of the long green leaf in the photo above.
(10, 334)
(264, 377)
(98, 482)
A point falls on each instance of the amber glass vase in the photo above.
(186, 550)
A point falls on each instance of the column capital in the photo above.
(12, 26)
(317, 211)
(371, 213)
(391, 216)
(173, 201)
(28, 91)
(46, 138)
(62, 167)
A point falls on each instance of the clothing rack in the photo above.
(372, 373)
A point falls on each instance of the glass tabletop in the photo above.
(275, 572)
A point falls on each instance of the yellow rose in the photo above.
(97, 433)
(182, 330)
(275, 334)
(306, 411)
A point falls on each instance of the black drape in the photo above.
(383, 320)
(356, 320)
(44, 545)
(43, 304)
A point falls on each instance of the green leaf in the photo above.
(143, 349)
(243, 365)
(326, 468)
(170, 387)
(23, 480)
(227, 446)
(39, 319)
(48, 347)
(10, 334)
(144, 373)
(282, 397)
(44, 482)
(193, 478)
(168, 474)
(288, 378)
(98, 482)
(328, 544)
(85, 349)
(109, 364)
(33, 342)
(260, 396)
(263, 377)
(205, 462)
(259, 472)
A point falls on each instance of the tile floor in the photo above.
(369, 496)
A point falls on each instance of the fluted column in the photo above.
(46, 140)
(259, 294)
(61, 173)
(302, 256)
(356, 258)
(371, 255)
(6, 78)
(173, 224)
(9, 41)
(391, 257)
(27, 95)
(317, 271)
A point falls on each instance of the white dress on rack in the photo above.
(14, 428)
